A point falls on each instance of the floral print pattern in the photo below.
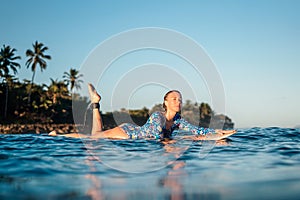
(155, 127)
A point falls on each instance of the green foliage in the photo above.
(157, 108)
(36, 57)
(7, 61)
(206, 114)
(54, 103)
(190, 112)
(57, 89)
(72, 78)
(48, 104)
(201, 115)
(144, 112)
(42, 108)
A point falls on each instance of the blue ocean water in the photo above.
(254, 163)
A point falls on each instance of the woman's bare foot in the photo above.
(94, 96)
(220, 131)
(53, 133)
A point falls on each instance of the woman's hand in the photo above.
(219, 131)
(217, 135)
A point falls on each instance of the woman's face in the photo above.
(173, 102)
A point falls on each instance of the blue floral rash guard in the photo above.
(155, 127)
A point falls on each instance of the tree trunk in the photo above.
(6, 100)
(29, 94)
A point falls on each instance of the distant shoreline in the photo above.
(38, 128)
(64, 128)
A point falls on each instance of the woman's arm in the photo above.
(203, 133)
(197, 130)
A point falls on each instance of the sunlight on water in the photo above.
(254, 163)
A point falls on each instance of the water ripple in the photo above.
(58, 167)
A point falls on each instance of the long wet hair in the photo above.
(166, 96)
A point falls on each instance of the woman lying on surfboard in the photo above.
(159, 125)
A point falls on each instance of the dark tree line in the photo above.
(197, 114)
(27, 102)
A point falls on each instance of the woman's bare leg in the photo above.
(115, 133)
(97, 127)
(97, 120)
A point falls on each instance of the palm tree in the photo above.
(36, 57)
(57, 89)
(7, 58)
(73, 79)
(7, 62)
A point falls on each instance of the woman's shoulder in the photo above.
(157, 117)
(158, 114)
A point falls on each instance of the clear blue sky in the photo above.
(254, 44)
